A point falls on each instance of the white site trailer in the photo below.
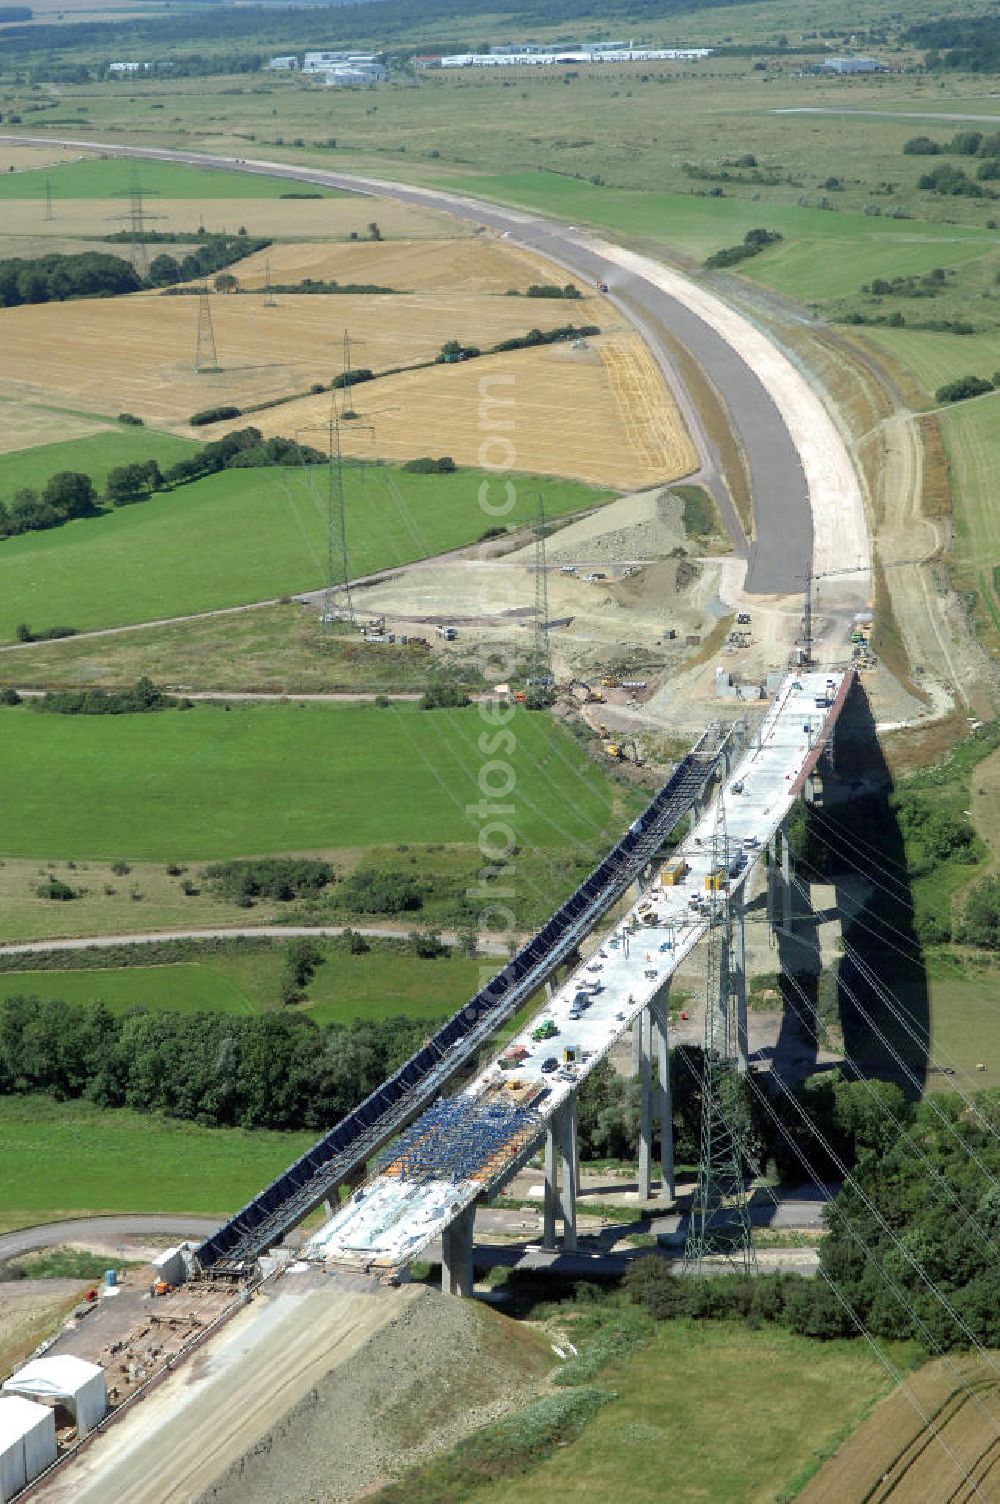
(64, 1380)
(27, 1443)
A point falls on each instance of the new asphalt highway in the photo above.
(785, 486)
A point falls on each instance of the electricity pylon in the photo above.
(720, 1212)
(206, 361)
(540, 671)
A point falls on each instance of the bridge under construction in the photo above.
(435, 1156)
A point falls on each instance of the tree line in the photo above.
(57, 278)
(70, 493)
(274, 1070)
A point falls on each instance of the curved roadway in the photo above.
(776, 439)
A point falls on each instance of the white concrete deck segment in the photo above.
(389, 1221)
(841, 548)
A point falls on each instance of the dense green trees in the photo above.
(276, 1070)
(130, 482)
(66, 495)
(71, 494)
(54, 278)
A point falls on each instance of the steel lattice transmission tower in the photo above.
(49, 211)
(206, 360)
(268, 294)
(338, 574)
(136, 220)
(720, 1212)
(540, 671)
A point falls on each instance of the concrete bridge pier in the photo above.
(739, 982)
(456, 1253)
(562, 1175)
(651, 1030)
(779, 880)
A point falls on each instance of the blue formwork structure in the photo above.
(353, 1141)
(459, 1138)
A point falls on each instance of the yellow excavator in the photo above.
(624, 751)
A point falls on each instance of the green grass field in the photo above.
(94, 456)
(70, 1157)
(965, 1026)
(104, 177)
(936, 358)
(212, 783)
(380, 984)
(824, 255)
(245, 535)
(686, 1422)
(168, 989)
(972, 441)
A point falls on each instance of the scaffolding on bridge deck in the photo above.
(461, 1138)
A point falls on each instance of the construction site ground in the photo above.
(321, 1387)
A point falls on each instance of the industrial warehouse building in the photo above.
(76, 1385)
(27, 1443)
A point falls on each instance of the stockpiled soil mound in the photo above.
(437, 1370)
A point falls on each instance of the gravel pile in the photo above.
(436, 1372)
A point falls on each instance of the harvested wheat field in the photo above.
(937, 1436)
(137, 353)
(24, 158)
(469, 265)
(310, 219)
(601, 414)
(25, 424)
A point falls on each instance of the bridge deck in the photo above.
(392, 1218)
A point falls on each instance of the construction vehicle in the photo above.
(672, 873)
(545, 1030)
(589, 695)
(624, 751)
(717, 880)
(602, 287)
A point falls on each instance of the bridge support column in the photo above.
(786, 880)
(663, 1101)
(644, 1028)
(779, 881)
(569, 1171)
(551, 1185)
(637, 1045)
(740, 983)
(456, 1254)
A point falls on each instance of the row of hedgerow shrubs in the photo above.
(70, 494)
(967, 386)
